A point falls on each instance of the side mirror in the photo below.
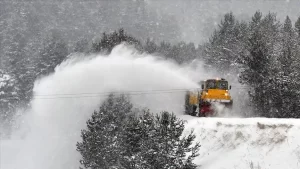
(229, 87)
(202, 86)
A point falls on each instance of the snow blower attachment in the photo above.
(201, 102)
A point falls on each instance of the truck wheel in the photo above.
(194, 110)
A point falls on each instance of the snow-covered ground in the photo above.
(246, 143)
(228, 143)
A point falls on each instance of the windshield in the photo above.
(223, 85)
(213, 84)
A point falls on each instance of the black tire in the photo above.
(194, 109)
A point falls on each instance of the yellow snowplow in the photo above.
(199, 102)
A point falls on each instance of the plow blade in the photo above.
(209, 108)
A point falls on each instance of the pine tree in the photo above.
(100, 147)
(171, 149)
(286, 78)
(297, 26)
(109, 41)
(226, 44)
(155, 142)
(256, 20)
(258, 62)
(150, 46)
(138, 132)
(287, 55)
(53, 52)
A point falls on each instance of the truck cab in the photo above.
(216, 90)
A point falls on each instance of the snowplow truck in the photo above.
(200, 102)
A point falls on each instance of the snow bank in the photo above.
(246, 143)
(226, 143)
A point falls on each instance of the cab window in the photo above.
(223, 85)
(211, 84)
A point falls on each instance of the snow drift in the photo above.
(247, 143)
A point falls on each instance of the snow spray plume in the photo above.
(65, 100)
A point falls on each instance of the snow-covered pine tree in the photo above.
(171, 149)
(286, 77)
(109, 41)
(150, 46)
(288, 46)
(226, 44)
(259, 60)
(297, 26)
(158, 142)
(137, 137)
(100, 146)
(296, 69)
(52, 53)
